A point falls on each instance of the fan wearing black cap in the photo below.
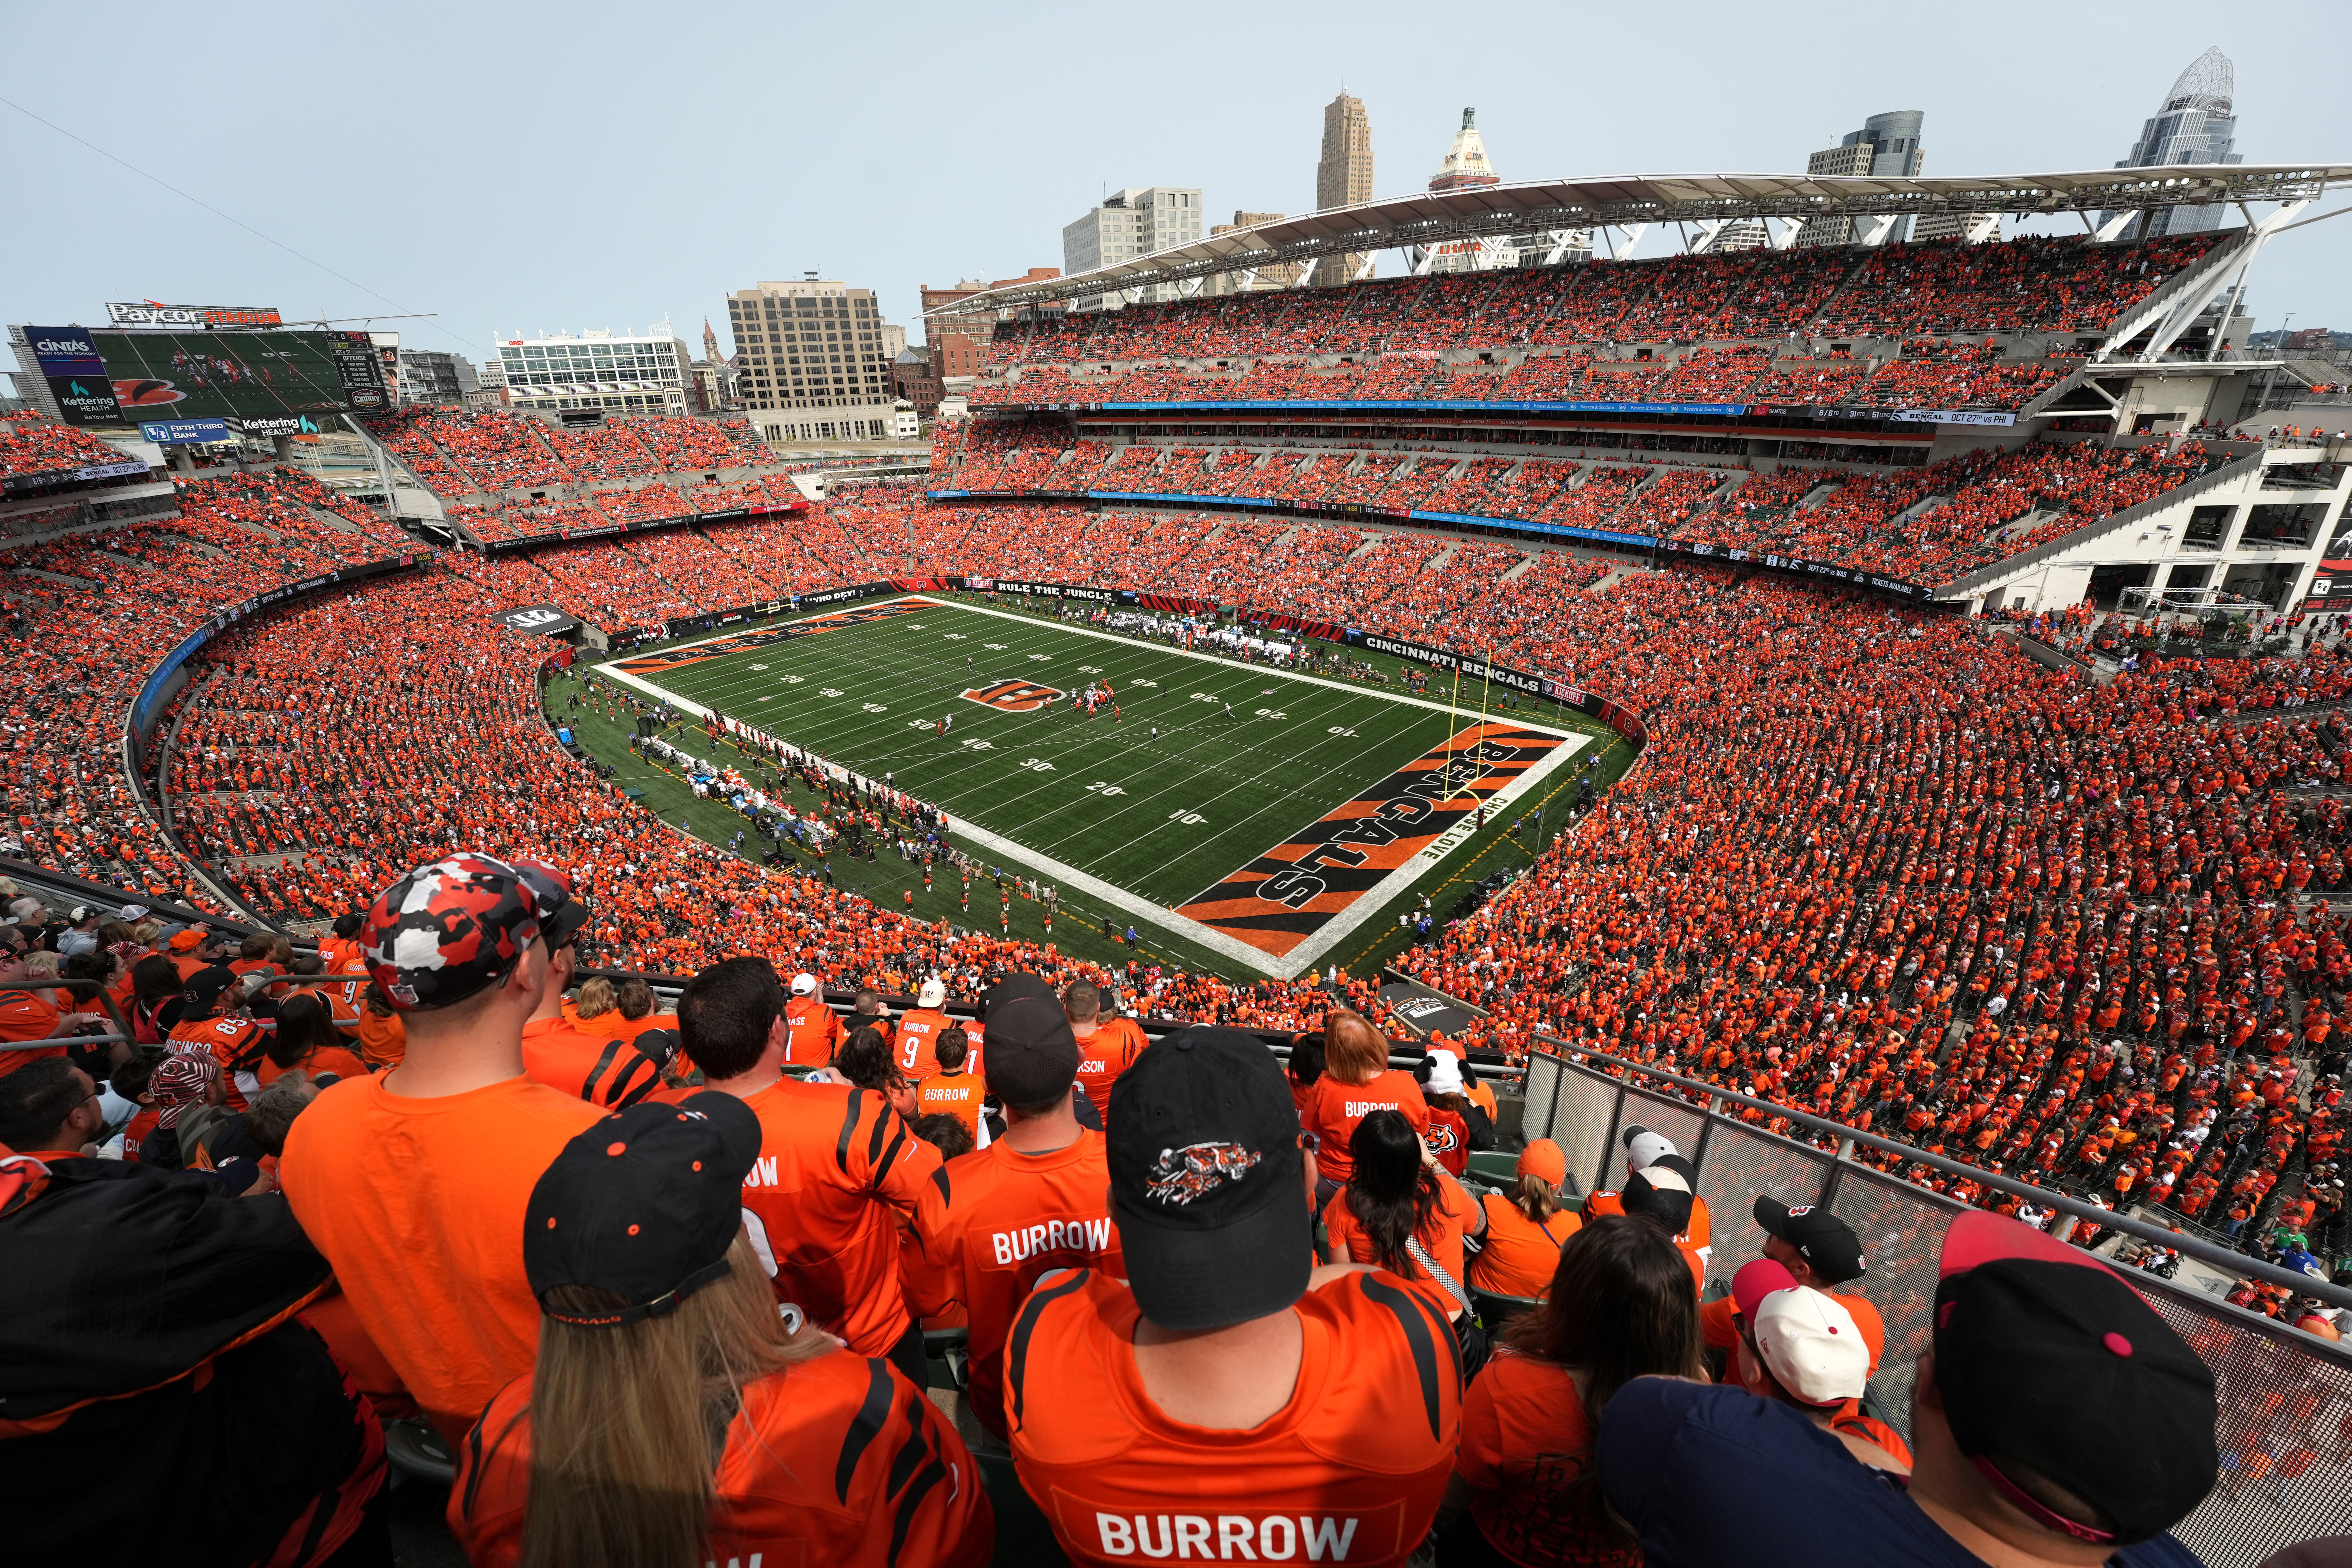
(2056, 1420)
(610, 1072)
(1227, 1400)
(216, 1021)
(1672, 1199)
(1033, 1200)
(414, 1181)
(673, 1416)
(837, 1165)
(1820, 1252)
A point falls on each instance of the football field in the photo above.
(1261, 815)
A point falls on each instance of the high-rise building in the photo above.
(2197, 123)
(1130, 222)
(1465, 168)
(631, 372)
(1887, 144)
(1343, 176)
(811, 361)
(1280, 275)
(710, 354)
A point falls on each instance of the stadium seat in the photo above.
(1495, 1312)
(1500, 1168)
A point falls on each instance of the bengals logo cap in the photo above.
(1207, 1181)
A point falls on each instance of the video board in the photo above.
(257, 376)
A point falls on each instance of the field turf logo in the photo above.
(1012, 696)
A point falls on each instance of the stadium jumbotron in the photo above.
(1858, 721)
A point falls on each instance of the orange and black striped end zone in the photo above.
(1293, 891)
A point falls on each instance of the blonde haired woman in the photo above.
(672, 1419)
(1525, 1228)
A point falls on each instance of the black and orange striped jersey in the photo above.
(838, 1460)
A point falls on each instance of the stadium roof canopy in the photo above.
(1625, 201)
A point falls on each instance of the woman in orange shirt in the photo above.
(1526, 1230)
(1621, 1308)
(1403, 1211)
(1357, 1080)
(308, 1041)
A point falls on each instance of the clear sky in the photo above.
(516, 167)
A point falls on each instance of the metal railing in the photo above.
(2283, 1393)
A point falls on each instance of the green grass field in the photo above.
(1279, 835)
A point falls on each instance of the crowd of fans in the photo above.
(1927, 524)
(1895, 290)
(34, 444)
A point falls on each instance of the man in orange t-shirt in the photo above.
(560, 1054)
(814, 1030)
(835, 1165)
(342, 948)
(1226, 1401)
(412, 1183)
(1104, 1049)
(1820, 1252)
(1032, 1201)
(953, 1090)
(916, 1045)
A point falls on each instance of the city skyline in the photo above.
(491, 181)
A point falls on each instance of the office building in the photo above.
(1343, 176)
(1465, 168)
(912, 377)
(2197, 123)
(625, 373)
(1280, 275)
(1887, 144)
(955, 341)
(489, 385)
(810, 363)
(1131, 223)
(431, 377)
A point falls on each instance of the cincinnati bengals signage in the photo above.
(1012, 696)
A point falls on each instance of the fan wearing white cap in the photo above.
(1804, 1349)
(917, 1044)
(813, 1030)
(1644, 1151)
(1456, 1124)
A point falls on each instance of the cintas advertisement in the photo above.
(75, 373)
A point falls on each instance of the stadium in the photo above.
(1867, 717)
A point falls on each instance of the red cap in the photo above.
(1757, 1280)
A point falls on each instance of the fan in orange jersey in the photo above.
(1804, 1349)
(834, 1162)
(1227, 1401)
(813, 1029)
(955, 1089)
(915, 1047)
(582, 1061)
(1104, 1049)
(1032, 1201)
(658, 1322)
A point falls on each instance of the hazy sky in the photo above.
(519, 167)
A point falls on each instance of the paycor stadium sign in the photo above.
(155, 313)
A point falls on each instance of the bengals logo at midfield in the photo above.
(1012, 696)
